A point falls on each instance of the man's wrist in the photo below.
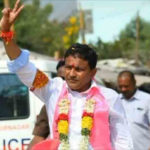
(5, 28)
(7, 36)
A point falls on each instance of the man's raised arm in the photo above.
(8, 18)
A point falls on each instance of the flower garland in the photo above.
(63, 123)
(86, 123)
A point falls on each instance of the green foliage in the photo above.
(34, 31)
(129, 31)
(1, 4)
(1, 7)
(107, 50)
(128, 39)
(125, 45)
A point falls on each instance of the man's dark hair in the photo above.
(129, 74)
(60, 64)
(83, 51)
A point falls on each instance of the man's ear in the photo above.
(93, 72)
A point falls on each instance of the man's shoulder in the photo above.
(109, 94)
(143, 95)
(56, 82)
(57, 79)
(108, 91)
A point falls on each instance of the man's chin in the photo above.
(73, 87)
(127, 96)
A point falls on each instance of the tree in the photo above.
(127, 39)
(124, 46)
(1, 4)
(107, 50)
(72, 32)
(35, 31)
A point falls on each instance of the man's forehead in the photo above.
(125, 80)
(76, 60)
(77, 63)
(124, 77)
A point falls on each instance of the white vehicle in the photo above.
(19, 107)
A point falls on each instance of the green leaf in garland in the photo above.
(63, 137)
(85, 131)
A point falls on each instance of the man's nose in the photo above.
(72, 72)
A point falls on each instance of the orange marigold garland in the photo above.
(63, 123)
(87, 123)
(7, 36)
(40, 80)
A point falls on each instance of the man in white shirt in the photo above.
(137, 107)
(82, 114)
(41, 128)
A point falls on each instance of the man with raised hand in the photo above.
(82, 115)
(41, 128)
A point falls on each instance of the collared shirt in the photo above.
(49, 94)
(137, 110)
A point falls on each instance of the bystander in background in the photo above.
(137, 108)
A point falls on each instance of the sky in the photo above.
(111, 16)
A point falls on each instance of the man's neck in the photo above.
(131, 95)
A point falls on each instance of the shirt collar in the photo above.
(93, 84)
(134, 97)
(137, 94)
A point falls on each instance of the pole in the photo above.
(137, 39)
(82, 26)
(6, 3)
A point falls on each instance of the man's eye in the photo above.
(68, 67)
(79, 69)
